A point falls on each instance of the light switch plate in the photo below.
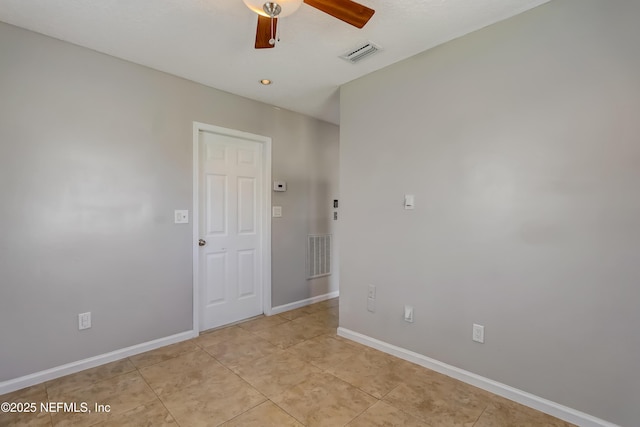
(277, 211)
(181, 216)
(408, 313)
(372, 291)
(409, 201)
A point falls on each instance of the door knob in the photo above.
(202, 242)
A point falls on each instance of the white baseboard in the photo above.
(293, 305)
(555, 409)
(80, 365)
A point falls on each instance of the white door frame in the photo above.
(266, 214)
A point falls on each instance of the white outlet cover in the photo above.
(84, 320)
(181, 216)
(478, 333)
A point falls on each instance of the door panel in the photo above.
(231, 223)
(216, 270)
(246, 273)
(246, 205)
(217, 202)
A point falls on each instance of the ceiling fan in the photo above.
(268, 13)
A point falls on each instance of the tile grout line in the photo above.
(480, 416)
(287, 412)
(244, 412)
(157, 396)
(364, 410)
(93, 384)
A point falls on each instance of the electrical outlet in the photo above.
(408, 313)
(478, 333)
(371, 304)
(372, 291)
(84, 320)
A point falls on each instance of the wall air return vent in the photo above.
(318, 255)
(359, 53)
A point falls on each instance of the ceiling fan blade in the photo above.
(346, 10)
(263, 32)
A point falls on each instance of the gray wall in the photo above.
(521, 143)
(95, 154)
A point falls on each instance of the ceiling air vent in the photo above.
(360, 52)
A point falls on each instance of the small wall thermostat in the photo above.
(279, 186)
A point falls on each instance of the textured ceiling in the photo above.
(211, 41)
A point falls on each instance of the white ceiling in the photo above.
(211, 41)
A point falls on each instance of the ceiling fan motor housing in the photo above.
(265, 8)
(270, 12)
(272, 9)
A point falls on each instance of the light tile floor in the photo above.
(285, 370)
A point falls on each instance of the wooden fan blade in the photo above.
(263, 32)
(345, 10)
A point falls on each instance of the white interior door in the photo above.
(231, 201)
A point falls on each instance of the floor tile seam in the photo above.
(251, 331)
(281, 315)
(351, 385)
(84, 425)
(173, 417)
(254, 361)
(192, 369)
(161, 361)
(362, 390)
(50, 419)
(266, 327)
(93, 384)
(417, 416)
(481, 414)
(420, 417)
(319, 367)
(389, 392)
(364, 410)
(219, 361)
(244, 412)
(251, 385)
(222, 341)
(221, 328)
(256, 335)
(289, 385)
(214, 357)
(200, 346)
(163, 405)
(287, 412)
(408, 414)
(19, 397)
(250, 361)
(243, 380)
(159, 400)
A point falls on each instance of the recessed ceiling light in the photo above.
(265, 82)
